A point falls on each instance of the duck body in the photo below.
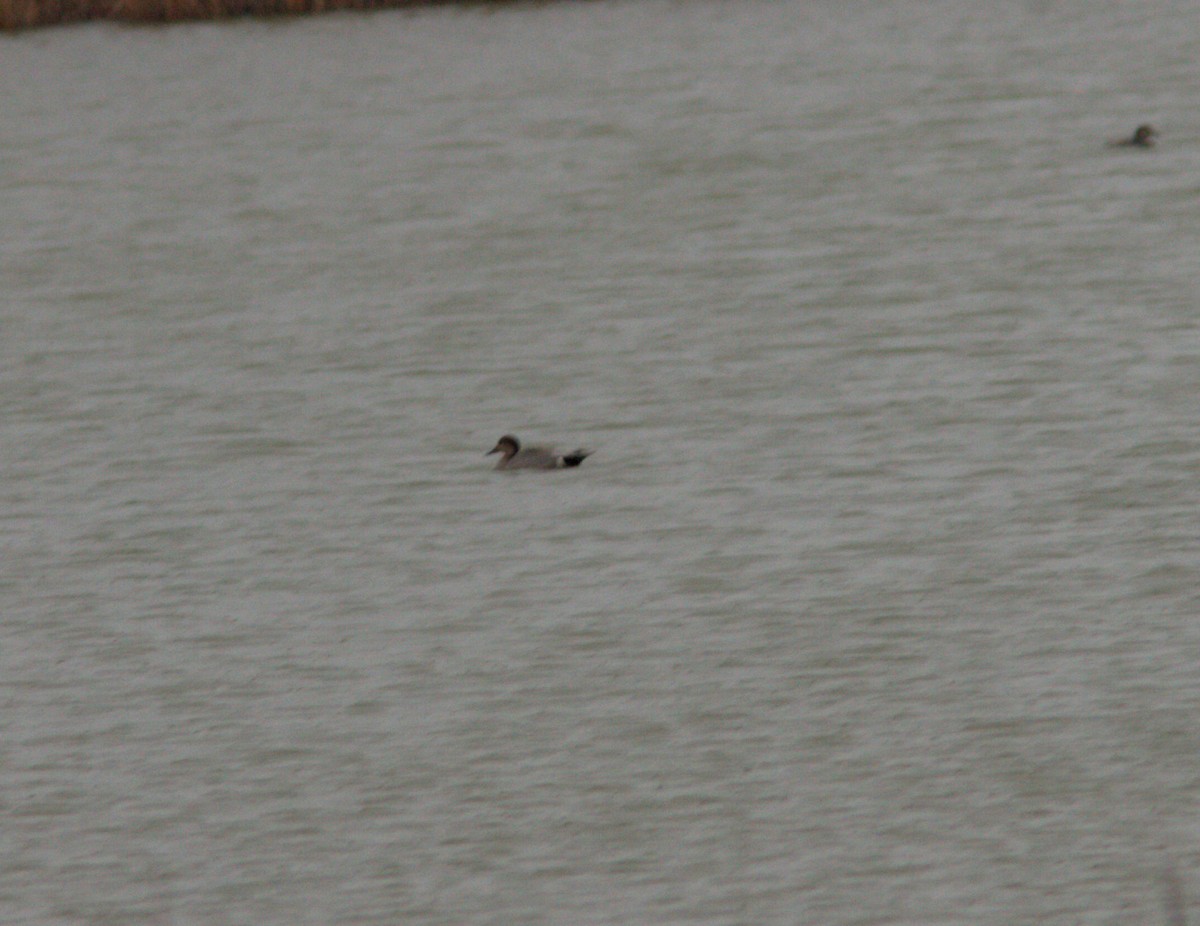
(514, 456)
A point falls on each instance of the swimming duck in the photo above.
(1143, 137)
(514, 456)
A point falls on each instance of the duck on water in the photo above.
(1143, 137)
(514, 456)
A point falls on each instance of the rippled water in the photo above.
(876, 603)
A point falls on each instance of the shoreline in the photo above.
(19, 15)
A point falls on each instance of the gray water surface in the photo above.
(877, 603)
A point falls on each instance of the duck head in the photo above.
(507, 445)
(1144, 135)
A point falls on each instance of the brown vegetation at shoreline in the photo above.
(26, 14)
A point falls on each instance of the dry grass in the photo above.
(26, 14)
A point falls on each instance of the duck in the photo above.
(1143, 137)
(514, 456)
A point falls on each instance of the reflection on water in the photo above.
(875, 603)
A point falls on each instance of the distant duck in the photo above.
(514, 456)
(1143, 137)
